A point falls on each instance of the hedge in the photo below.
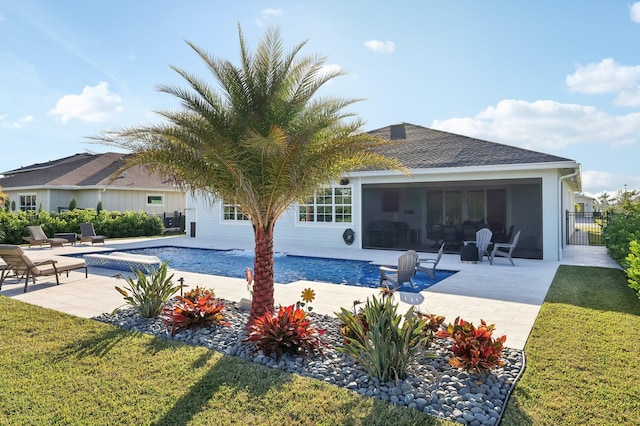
(113, 224)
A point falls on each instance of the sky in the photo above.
(560, 77)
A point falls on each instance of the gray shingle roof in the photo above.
(424, 148)
(84, 170)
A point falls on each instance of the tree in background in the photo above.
(262, 139)
(3, 199)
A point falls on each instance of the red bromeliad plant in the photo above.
(288, 331)
(194, 311)
(198, 293)
(473, 348)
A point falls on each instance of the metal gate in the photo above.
(585, 228)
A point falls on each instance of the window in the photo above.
(155, 200)
(328, 205)
(453, 207)
(475, 206)
(28, 202)
(233, 212)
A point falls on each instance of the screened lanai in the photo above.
(423, 215)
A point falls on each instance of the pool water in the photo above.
(233, 263)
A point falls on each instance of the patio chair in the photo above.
(482, 242)
(37, 237)
(505, 249)
(88, 233)
(407, 267)
(432, 262)
(450, 236)
(23, 267)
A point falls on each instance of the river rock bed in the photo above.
(432, 385)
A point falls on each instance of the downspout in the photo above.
(562, 213)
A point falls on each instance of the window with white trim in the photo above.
(333, 205)
(155, 200)
(28, 202)
(233, 212)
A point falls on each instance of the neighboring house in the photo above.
(454, 180)
(89, 179)
(585, 205)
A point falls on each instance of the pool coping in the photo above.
(507, 296)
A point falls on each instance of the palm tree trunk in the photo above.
(262, 301)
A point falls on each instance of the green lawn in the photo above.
(583, 361)
(64, 370)
(583, 356)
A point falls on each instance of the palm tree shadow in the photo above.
(105, 340)
(227, 372)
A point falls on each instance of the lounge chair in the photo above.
(407, 267)
(88, 234)
(482, 242)
(23, 267)
(430, 263)
(505, 249)
(37, 237)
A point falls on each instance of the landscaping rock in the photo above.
(432, 385)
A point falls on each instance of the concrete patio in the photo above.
(509, 297)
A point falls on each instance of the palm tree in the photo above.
(261, 140)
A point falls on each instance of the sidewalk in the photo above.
(509, 297)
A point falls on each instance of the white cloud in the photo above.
(18, 123)
(95, 103)
(268, 15)
(380, 46)
(600, 179)
(546, 125)
(634, 12)
(607, 76)
(610, 183)
(330, 68)
(272, 12)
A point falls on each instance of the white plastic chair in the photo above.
(505, 249)
(407, 267)
(432, 262)
(483, 239)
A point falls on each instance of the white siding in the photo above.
(212, 230)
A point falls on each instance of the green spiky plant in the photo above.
(149, 292)
(391, 342)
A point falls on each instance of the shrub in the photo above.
(149, 292)
(111, 224)
(473, 348)
(383, 346)
(633, 269)
(197, 308)
(288, 331)
(73, 204)
(431, 325)
(621, 229)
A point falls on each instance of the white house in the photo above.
(585, 204)
(88, 178)
(455, 181)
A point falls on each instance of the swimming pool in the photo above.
(287, 268)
